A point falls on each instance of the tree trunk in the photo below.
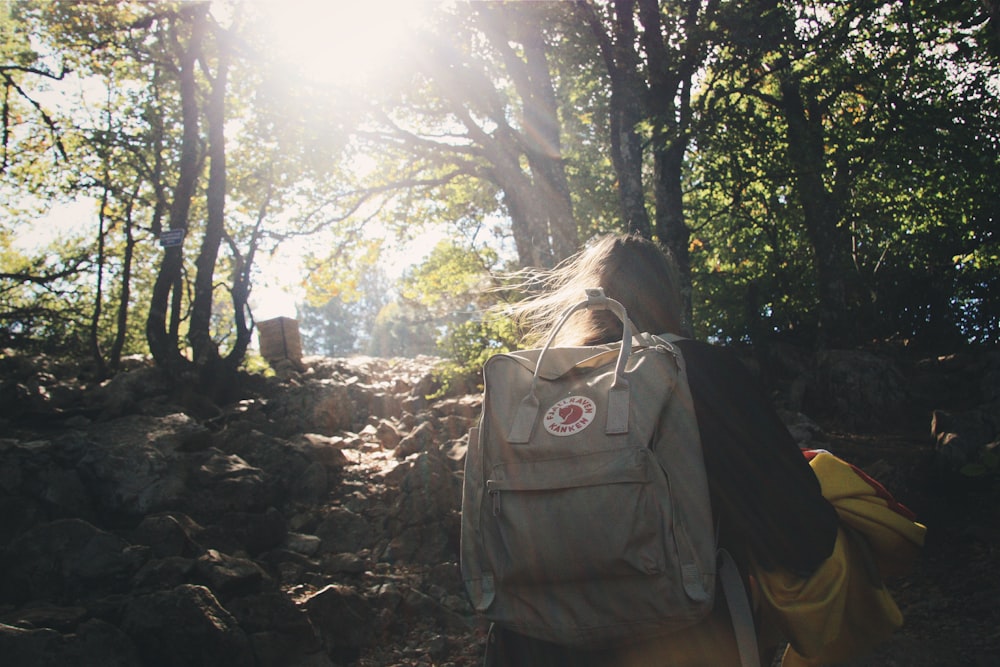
(528, 226)
(670, 74)
(836, 277)
(541, 121)
(539, 203)
(161, 335)
(626, 109)
(95, 323)
(242, 267)
(121, 328)
(204, 348)
(671, 225)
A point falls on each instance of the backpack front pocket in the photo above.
(596, 515)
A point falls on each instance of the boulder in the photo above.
(65, 559)
(345, 620)
(185, 627)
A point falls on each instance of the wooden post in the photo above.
(280, 342)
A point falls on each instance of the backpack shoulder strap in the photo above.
(739, 610)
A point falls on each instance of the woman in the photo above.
(764, 494)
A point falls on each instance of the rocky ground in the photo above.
(316, 522)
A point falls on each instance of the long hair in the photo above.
(632, 270)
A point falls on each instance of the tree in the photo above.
(819, 170)
(838, 90)
(341, 323)
(159, 163)
(652, 51)
(477, 135)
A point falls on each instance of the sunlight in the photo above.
(343, 42)
(270, 302)
(397, 259)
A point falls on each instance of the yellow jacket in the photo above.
(844, 609)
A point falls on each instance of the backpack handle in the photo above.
(618, 395)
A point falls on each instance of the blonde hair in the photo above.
(632, 270)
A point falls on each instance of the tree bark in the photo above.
(538, 201)
(837, 280)
(204, 348)
(121, 330)
(627, 108)
(541, 122)
(657, 94)
(670, 74)
(162, 335)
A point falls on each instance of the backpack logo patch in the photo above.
(570, 415)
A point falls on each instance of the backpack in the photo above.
(586, 518)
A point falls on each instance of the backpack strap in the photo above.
(739, 610)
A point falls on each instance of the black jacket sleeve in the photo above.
(764, 493)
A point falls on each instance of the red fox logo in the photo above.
(570, 413)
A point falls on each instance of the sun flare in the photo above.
(343, 42)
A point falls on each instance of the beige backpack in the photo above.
(585, 514)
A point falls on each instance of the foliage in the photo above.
(838, 166)
(467, 346)
(451, 279)
(343, 324)
(330, 329)
(901, 144)
(402, 330)
(436, 297)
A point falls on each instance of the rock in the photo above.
(306, 545)
(43, 615)
(342, 530)
(128, 392)
(387, 435)
(385, 405)
(185, 627)
(166, 535)
(328, 452)
(43, 471)
(419, 440)
(193, 551)
(349, 563)
(61, 559)
(249, 532)
(18, 514)
(290, 470)
(858, 389)
(315, 407)
(273, 620)
(424, 519)
(164, 574)
(222, 483)
(961, 437)
(345, 620)
(229, 576)
(467, 407)
(95, 643)
(136, 465)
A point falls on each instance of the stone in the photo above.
(185, 626)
